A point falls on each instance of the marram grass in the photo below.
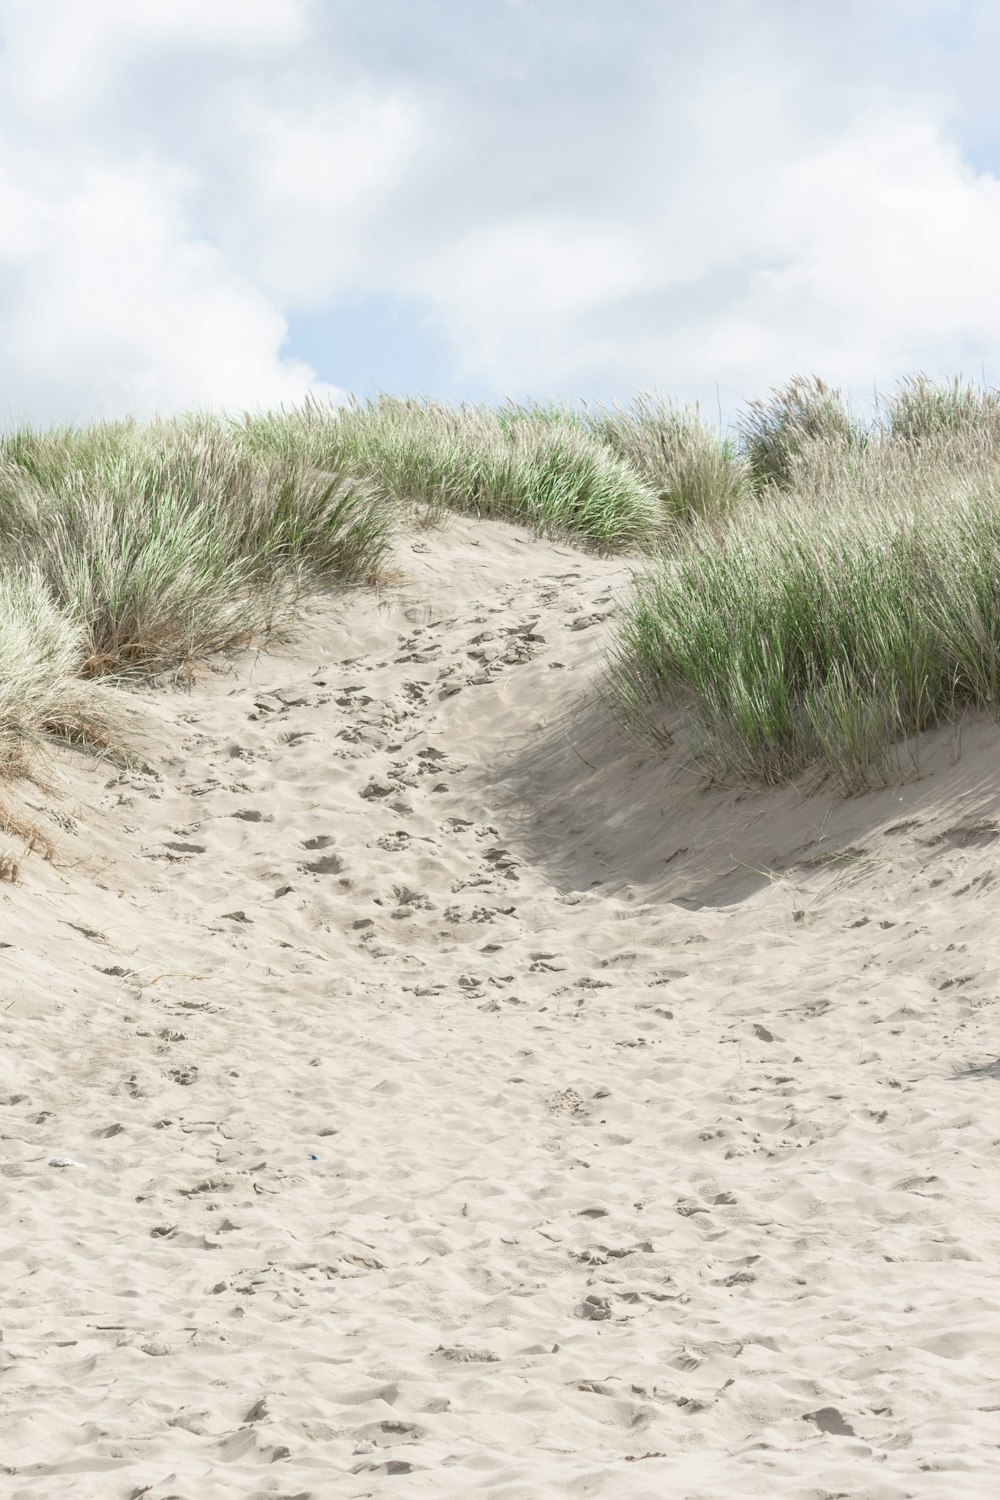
(832, 622)
(169, 542)
(128, 549)
(693, 471)
(532, 465)
(42, 653)
(815, 592)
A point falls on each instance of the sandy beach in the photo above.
(411, 1087)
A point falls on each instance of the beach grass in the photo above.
(775, 430)
(126, 550)
(844, 611)
(694, 472)
(129, 549)
(533, 465)
(921, 410)
(812, 592)
(42, 692)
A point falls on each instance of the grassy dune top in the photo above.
(850, 604)
(812, 592)
(127, 549)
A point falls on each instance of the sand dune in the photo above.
(410, 1087)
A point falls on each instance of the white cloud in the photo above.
(543, 198)
(870, 253)
(315, 180)
(112, 299)
(60, 53)
(890, 240)
(860, 252)
(110, 305)
(515, 297)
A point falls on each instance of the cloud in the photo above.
(886, 240)
(754, 233)
(545, 198)
(113, 296)
(868, 254)
(515, 297)
(110, 305)
(315, 180)
(61, 53)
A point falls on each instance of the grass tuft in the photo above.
(694, 472)
(42, 656)
(125, 550)
(832, 624)
(531, 464)
(921, 410)
(167, 543)
(774, 431)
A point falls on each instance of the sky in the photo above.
(233, 203)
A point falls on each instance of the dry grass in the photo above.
(774, 431)
(17, 825)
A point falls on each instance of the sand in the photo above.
(410, 1087)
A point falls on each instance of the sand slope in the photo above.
(410, 1088)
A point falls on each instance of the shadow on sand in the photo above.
(593, 806)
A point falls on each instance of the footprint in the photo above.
(584, 622)
(968, 836)
(460, 1354)
(387, 1433)
(595, 1308)
(392, 1466)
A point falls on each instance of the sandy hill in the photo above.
(412, 1088)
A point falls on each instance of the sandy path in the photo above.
(410, 1089)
